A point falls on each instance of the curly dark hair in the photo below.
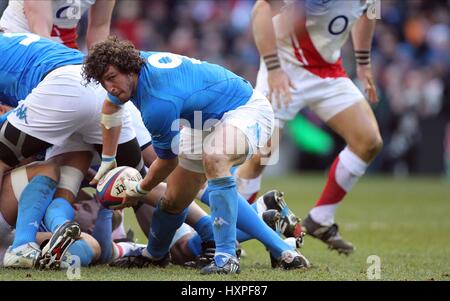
(120, 54)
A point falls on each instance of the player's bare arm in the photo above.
(159, 170)
(39, 15)
(99, 21)
(265, 40)
(362, 34)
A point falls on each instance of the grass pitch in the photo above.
(405, 222)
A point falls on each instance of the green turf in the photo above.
(403, 221)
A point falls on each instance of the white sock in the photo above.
(324, 214)
(124, 249)
(117, 251)
(260, 205)
(348, 170)
(248, 187)
(119, 232)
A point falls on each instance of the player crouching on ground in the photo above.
(167, 88)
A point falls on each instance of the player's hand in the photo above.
(108, 163)
(279, 88)
(364, 73)
(90, 174)
(133, 194)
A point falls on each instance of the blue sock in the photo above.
(204, 228)
(195, 244)
(249, 222)
(33, 202)
(205, 197)
(223, 203)
(83, 250)
(233, 170)
(103, 233)
(59, 211)
(163, 228)
(241, 236)
(250, 225)
(254, 206)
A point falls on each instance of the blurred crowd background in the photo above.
(410, 59)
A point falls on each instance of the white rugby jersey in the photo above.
(66, 15)
(314, 40)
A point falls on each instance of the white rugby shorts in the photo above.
(324, 96)
(61, 106)
(255, 119)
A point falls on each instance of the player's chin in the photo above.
(123, 98)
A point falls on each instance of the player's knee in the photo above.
(369, 146)
(373, 145)
(169, 204)
(216, 164)
(50, 170)
(255, 164)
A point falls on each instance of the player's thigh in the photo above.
(16, 181)
(356, 124)
(226, 144)
(182, 187)
(73, 167)
(244, 131)
(195, 213)
(9, 200)
(148, 154)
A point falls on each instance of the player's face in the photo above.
(119, 84)
(86, 214)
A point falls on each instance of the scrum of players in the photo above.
(65, 113)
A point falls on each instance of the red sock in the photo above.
(343, 174)
(252, 198)
(332, 193)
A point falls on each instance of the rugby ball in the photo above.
(111, 187)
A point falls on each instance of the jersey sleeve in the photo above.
(103, 233)
(162, 123)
